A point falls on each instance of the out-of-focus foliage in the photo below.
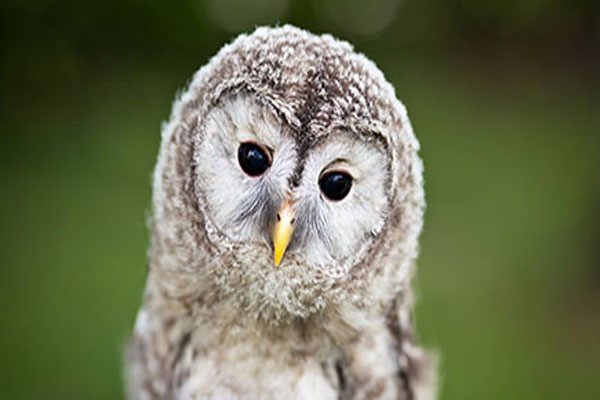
(503, 95)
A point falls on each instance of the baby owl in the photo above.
(287, 205)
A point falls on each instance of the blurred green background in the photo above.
(503, 94)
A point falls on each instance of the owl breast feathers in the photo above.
(287, 205)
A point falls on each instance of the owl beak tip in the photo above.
(277, 259)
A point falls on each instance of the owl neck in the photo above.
(218, 320)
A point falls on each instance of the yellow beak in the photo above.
(283, 230)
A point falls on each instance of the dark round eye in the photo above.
(253, 159)
(335, 185)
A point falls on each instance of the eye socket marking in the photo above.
(335, 185)
(253, 159)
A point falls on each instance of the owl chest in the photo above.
(244, 372)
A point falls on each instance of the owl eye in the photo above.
(253, 159)
(335, 185)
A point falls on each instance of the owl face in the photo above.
(315, 206)
(288, 180)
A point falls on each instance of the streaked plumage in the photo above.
(218, 319)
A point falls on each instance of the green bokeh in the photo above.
(508, 119)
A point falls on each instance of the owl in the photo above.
(287, 204)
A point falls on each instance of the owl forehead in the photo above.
(315, 83)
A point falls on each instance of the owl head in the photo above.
(288, 181)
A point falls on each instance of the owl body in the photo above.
(287, 206)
